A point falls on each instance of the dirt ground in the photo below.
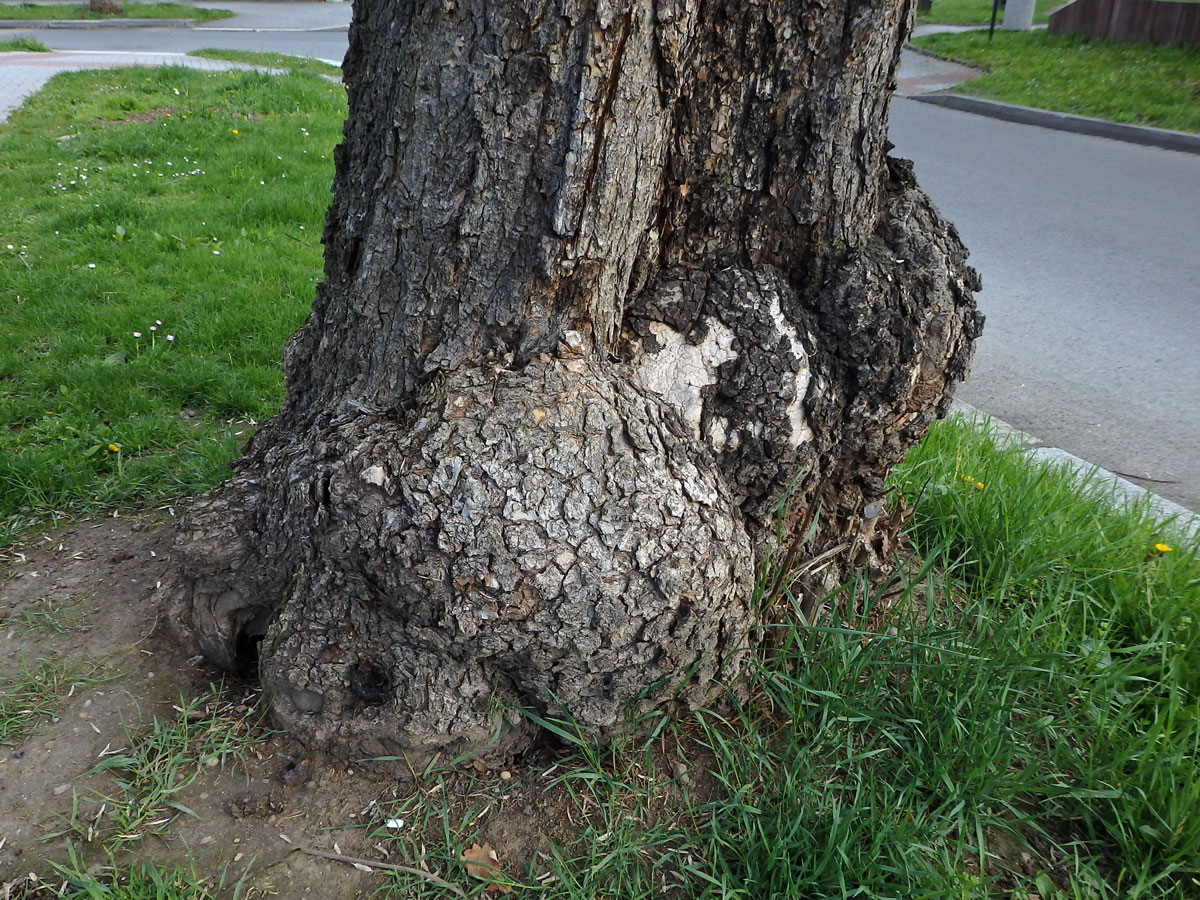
(87, 600)
(83, 605)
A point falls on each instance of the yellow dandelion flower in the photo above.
(235, 131)
(114, 448)
(1163, 548)
(979, 485)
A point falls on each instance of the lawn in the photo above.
(131, 11)
(161, 239)
(1013, 712)
(1140, 84)
(976, 12)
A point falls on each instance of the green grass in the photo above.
(50, 615)
(131, 11)
(1053, 707)
(272, 60)
(34, 694)
(1135, 83)
(976, 12)
(75, 880)
(159, 762)
(191, 199)
(1089, 589)
(13, 45)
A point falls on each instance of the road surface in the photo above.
(1090, 255)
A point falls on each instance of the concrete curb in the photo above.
(1122, 491)
(1025, 115)
(33, 24)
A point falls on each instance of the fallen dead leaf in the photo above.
(483, 863)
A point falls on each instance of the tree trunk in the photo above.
(604, 282)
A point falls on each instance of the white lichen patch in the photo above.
(374, 475)
(801, 432)
(678, 371)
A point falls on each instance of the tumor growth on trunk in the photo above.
(606, 286)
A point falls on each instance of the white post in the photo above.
(1018, 15)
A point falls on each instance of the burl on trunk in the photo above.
(604, 283)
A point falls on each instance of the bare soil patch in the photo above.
(86, 599)
(142, 117)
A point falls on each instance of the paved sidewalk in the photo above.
(921, 74)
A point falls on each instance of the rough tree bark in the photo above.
(604, 280)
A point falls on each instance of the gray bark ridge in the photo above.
(608, 286)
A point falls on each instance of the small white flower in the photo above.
(158, 321)
(216, 253)
(11, 247)
(91, 265)
(154, 328)
(170, 337)
(137, 334)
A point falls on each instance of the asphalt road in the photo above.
(1090, 256)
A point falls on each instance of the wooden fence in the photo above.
(1155, 21)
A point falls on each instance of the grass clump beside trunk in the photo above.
(1015, 716)
(1139, 84)
(1103, 602)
